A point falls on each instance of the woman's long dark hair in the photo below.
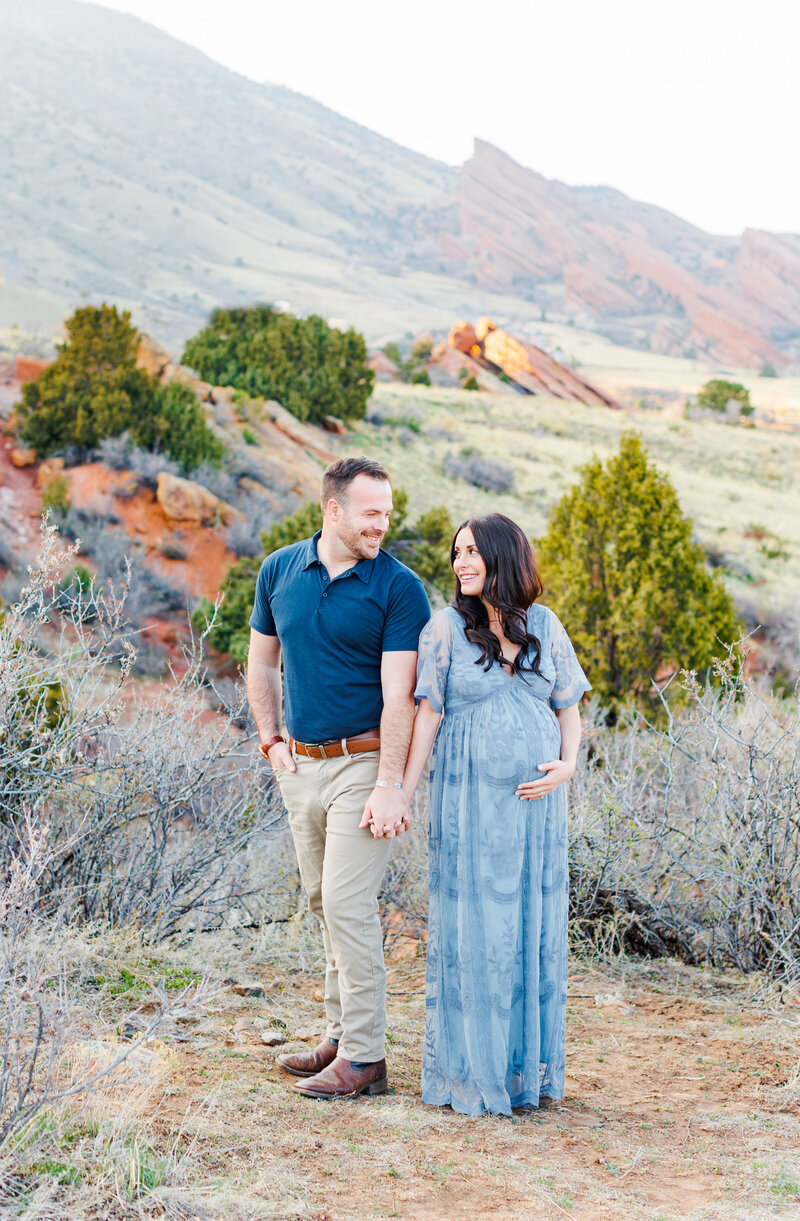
(512, 585)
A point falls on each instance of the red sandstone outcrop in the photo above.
(184, 500)
(463, 337)
(383, 366)
(28, 368)
(457, 366)
(501, 362)
(20, 456)
(95, 488)
(657, 279)
(151, 357)
(49, 470)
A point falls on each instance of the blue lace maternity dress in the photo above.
(496, 985)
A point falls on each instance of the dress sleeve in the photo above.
(570, 682)
(433, 661)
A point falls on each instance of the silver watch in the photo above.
(384, 784)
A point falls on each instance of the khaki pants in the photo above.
(342, 868)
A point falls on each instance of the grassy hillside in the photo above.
(740, 485)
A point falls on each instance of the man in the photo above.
(347, 618)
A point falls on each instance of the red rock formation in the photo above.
(453, 362)
(384, 368)
(592, 250)
(28, 368)
(523, 365)
(462, 337)
(94, 487)
(151, 357)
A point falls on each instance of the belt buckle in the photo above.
(320, 746)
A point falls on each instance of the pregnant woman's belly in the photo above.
(499, 741)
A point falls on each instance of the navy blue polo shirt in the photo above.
(333, 632)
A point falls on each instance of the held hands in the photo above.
(556, 772)
(280, 756)
(386, 813)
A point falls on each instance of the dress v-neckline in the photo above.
(472, 642)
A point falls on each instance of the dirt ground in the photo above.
(682, 1101)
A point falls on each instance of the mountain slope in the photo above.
(644, 274)
(138, 170)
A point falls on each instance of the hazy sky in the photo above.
(693, 105)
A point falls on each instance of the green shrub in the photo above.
(249, 437)
(471, 383)
(422, 348)
(93, 390)
(56, 495)
(309, 367)
(767, 370)
(420, 377)
(182, 428)
(634, 591)
(716, 394)
(78, 578)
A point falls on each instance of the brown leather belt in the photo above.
(370, 739)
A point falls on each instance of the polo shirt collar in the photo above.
(362, 569)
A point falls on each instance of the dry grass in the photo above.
(740, 485)
(682, 1101)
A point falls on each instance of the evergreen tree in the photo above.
(717, 393)
(425, 547)
(93, 388)
(309, 367)
(634, 591)
(182, 427)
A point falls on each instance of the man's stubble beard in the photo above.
(354, 540)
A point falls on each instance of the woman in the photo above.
(500, 675)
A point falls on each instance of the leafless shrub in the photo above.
(403, 896)
(481, 472)
(218, 479)
(115, 808)
(243, 537)
(43, 1032)
(245, 462)
(686, 839)
(119, 559)
(121, 454)
(172, 549)
(150, 800)
(7, 558)
(778, 636)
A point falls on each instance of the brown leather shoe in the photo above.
(308, 1063)
(342, 1080)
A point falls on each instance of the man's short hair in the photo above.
(341, 473)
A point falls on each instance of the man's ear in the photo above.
(332, 509)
